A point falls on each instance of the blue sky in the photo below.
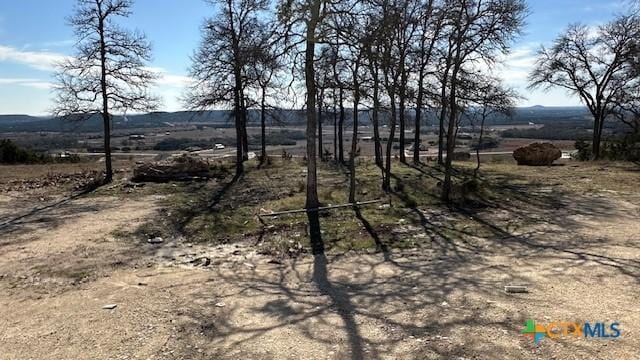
(34, 34)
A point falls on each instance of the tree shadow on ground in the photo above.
(418, 303)
(49, 216)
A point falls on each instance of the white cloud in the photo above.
(167, 79)
(40, 60)
(515, 67)
(168, 86)
(34, 83)
(59, 43)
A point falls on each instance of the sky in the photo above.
(34, 35)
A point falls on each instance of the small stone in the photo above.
(516, 289)
(110, 306)
(155, 240)
(220, 304)
(250, 266)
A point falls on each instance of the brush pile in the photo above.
(181, 168)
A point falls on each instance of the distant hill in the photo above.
(220, 118)
(223, 118)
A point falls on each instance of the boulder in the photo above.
(179, 168)
(537, 154)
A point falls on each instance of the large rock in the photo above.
(180, 168)
(537, 154)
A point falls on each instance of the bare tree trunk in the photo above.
(477, 169)
(446, 186)
(340, 129)
(335, 128)
(443, 110)
(263, 126)
(238, 98)
(402, 110)
(320, 105)
(416, 137)
(245, 137)
(354, 138)
(597, 134)
(375, 120)
(443, 114)
(105, 104)
(107, 146)
(239, 157)
(386, 182)
(312, 181)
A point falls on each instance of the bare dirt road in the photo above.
(60, 265)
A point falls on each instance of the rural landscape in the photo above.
(311, 179)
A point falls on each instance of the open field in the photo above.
(289, 138)
(404, 278)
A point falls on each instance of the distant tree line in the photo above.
(560, 131)
(11, 153)
(275, 138)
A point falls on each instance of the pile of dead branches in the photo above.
(181, 168)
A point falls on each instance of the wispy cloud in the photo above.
(58, 43)
(40, 60)
(34, 83)
(167, 79)
(516, 66)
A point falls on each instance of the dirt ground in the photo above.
(578, 253)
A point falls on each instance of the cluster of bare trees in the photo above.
(396, 60)
(600, 66)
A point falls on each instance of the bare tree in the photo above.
(431, 17)
(490, 98)
(303, 21)
(108, 72)
(479, 30)
(338, 67)
(373, 64)
(354, 28)
(398, 24)
(324, 82)
(597, 67)
(264, 69)
(221, 64)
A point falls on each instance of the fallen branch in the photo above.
(322, 208)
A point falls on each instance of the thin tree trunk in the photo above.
(263, 126)
(335, 128)
(340, 129)
(320, 105)
(443, 111)
(376, 121)
(312, 181)
(386, 183)
(237, 97)
(105, 103)
(245, 137)
(402, 113)
(354, 138)
(443, 114)
(446, 186)
(416, 137)
(477, 169)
